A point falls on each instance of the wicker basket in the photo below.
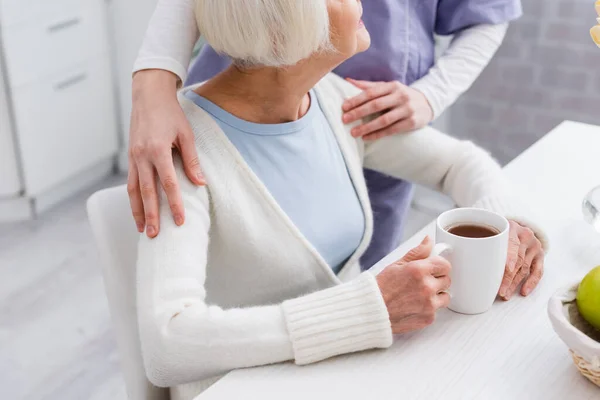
(581, 338)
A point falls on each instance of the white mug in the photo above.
(477, 263)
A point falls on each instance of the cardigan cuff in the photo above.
(511, 210)
(343, 319)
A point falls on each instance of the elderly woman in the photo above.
(265, 269)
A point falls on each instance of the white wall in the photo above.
(546, 71)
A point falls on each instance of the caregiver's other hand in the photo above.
(413, 288)
(158, 125)
(524, 264)
(402, 108)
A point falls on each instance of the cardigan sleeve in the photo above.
(170, 38)
(185, 339)
(460, 169)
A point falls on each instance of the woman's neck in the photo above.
(262, 95)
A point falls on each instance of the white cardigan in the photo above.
(239, 286)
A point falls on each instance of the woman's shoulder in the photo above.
(336, 87)
(203, 125)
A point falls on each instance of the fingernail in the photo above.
(526, 291)
(502, 293)
(179, 220)
(200, 177)
(151, 231)
(346, 118)
(140, 227)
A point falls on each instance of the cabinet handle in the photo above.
(59, 26)
(67, 83)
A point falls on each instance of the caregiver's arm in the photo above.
(184, 339)
(157, 121)
(405, 108)
(470, 51)
(170, 38)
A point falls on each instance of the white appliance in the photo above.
(58, 128)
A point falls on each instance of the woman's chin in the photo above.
(364, 41)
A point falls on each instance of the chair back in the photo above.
(116, 237)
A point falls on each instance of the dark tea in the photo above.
(472, 230)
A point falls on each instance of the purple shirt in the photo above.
(402, 32)
(402, 49)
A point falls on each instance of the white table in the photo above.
(511, 352)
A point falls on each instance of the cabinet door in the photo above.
(65, 124)
(10, 184)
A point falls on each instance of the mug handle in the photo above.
(442, 250)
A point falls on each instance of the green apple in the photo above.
(588, 297)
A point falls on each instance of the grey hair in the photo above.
(274, 33)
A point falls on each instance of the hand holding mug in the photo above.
(414, 288)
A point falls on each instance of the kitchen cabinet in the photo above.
(58, 122)
(10, 183)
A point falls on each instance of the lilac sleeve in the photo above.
(456, 15)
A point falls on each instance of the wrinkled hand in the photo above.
(402, 108)
(413, 288)
(158, 125)
(525, 262)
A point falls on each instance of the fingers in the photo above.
(362, 84)
(440, 267)
(511, 260)
(421, 252)
(442, 284)
(403, 126)
(537, 271)
(189, 155)
(149, 197)
(369, 94)
(519, 278)
(525, 255)
(371, 107)
(135, 197)
(168, 180)
(442, 300)
(386, 120)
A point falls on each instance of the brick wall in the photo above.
(547, 71)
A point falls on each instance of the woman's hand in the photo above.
(413, 288)
(402, 109)
(158, 125)
(525, 262)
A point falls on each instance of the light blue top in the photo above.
(302, 166)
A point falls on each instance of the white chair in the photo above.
(116, 237)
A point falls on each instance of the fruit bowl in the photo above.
(581, 338)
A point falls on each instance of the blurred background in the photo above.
(65, 72)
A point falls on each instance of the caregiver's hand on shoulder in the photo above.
(413, 288)
(524, 264)
(402, 109)
(158, 125)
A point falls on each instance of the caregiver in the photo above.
(397, 73)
